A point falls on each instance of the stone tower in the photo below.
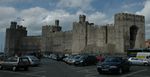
(79, 34)
(130, 31)
(47, 30)
(14, 34)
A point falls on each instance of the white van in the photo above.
(143, 55)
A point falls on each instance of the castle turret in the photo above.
(132, 27)
(80, 34)
(56, 22)
(13, 25)
(56, 28)
(82, 18)
(14, 35)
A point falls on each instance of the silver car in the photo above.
(15, 63)
(34, 61)
(137, 61)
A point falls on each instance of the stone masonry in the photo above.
(127, 32)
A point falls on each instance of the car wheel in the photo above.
(100, 72)
(85, 64)
(1, 67)
(14, 68)
(26, 68)
(146, 64)
(128, 70)
(120, 71)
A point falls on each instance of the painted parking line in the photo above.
(38, 68)
(38, 72)
(90, 75)
(77, 68)
(84, 71)
(130, 74)
(19, 73)
(87, 70)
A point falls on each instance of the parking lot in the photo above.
(52, 68)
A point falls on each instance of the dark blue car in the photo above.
(113, 65)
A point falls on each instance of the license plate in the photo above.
(105, 69)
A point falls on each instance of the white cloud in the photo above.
(36, 17)
(7, 14)
(81, 4)
(66, 19)
(9, 1)
(6, 11)
(146, 12)
(131, 5)
(99, 18)
(32, 16)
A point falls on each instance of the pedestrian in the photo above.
(100, 58)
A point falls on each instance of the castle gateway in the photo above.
(127, 32)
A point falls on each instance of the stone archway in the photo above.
(133, 34)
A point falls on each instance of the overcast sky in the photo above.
(37, 13)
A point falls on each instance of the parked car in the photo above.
(15, 63)
(54, 56)
(86, 60)
(137, 61)
(68, 58)
(73, 59)
(113, 65)
(60, 57)
(2, 56)
(34, 61)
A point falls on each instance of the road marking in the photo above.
(134, 73)
(87, 70)
(41, 68)
(77, 68)
(90, 75)
(23, 74)
(38, 72)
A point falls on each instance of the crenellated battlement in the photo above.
(129, 17)
(82, 18)
(127, 32)
(51, 28)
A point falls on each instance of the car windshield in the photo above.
(134, 59)
(12, 59)
(83, 57)
(112, 59)
(77, 57)
(24, 59)
(33, 58)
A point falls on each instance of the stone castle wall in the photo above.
(56, 41)
(127, 32)
(31, 44)
(14, 35)
(124, 23)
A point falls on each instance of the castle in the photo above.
(127, 32)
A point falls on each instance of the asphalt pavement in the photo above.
(52, 68)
